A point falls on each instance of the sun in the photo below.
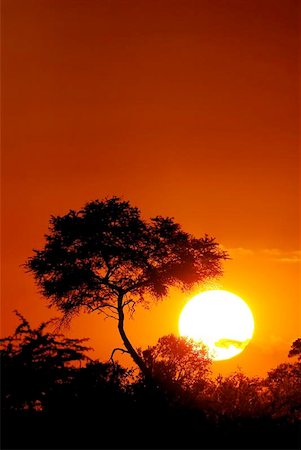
(219, 319)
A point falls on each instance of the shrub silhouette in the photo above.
(54, 396)
(35, 360)
(181, 366)
(284, 384)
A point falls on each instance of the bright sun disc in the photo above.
(219, 319)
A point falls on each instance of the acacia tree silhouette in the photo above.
(106, 258)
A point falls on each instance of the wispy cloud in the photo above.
(273, 254)
(278, 255)
(240, 251)
(271, 251)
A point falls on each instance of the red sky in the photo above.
(186, 108)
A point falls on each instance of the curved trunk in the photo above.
(139, 361)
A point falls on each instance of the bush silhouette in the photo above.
(54, 396)
(34, 361)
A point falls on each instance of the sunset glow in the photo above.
(219, 319)
(151, 252)
(186, 109)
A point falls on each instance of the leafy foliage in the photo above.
(296, 349)
(180, 364)
(50, 400)
(236, 396)
(284, 383)
(34, 360)
(106, 249)
(106, 258)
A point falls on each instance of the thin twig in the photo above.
(115, 350)
(107, 315)
(128, 302)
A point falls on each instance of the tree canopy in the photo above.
(295, 349)
(106, 257)
(180, 363)
(180, 366)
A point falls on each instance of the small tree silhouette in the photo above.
(237, 395)
(33, 360)
(284, 383)
(180, 365)
(106, 258)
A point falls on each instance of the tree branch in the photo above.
(100, 308)
(108, 305)
(128, 302)
(115, 350)
(131, 304)
(103, 305)
(135, 286)
(104, 282)
(108, 315)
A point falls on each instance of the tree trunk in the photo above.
(139, 361)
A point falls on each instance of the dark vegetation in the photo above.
(54, 396)
(106, 259)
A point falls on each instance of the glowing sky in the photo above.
(185, 108)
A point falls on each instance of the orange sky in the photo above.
(185, 108)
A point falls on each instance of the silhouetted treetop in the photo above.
(105, 257)
(106, 248)
(296, 349)
(34, 361)
(40, 346)
(178, 362)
